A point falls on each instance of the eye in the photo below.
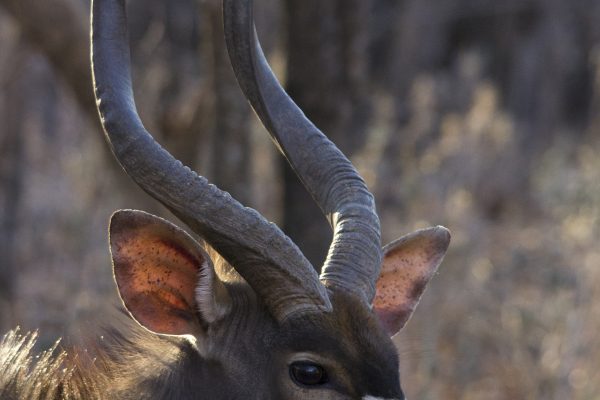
(308, 373)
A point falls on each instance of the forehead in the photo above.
(352, 337)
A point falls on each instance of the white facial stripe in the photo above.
(374, 398)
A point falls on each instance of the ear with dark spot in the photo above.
(408, 265)
(166, 280)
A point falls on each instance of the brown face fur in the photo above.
(350, 344)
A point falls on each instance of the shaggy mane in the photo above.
(140, 365)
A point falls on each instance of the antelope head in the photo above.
(255, 317)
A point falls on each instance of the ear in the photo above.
(165, 279)
(408, 265)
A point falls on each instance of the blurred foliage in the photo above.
(479, 115)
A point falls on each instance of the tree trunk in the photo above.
(231, 144)
(327, 77)
(11, 187)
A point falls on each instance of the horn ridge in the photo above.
(354, 258)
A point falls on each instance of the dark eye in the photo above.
(307, 373)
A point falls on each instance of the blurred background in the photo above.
(480, 115)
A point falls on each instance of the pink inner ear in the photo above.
(408, 265)
(156, 269)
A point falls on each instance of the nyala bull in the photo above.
(243, 315)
